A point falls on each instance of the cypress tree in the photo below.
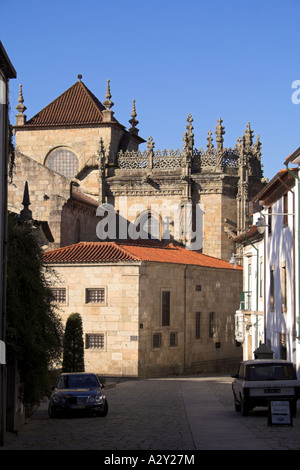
(73, 348)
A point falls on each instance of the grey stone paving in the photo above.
(187, 413)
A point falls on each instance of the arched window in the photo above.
(64, 162)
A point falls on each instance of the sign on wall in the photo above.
(239, 327)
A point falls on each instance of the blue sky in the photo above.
(233, 59)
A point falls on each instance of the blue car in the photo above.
(78, 392)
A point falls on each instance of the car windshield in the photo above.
(271, 372)
(77, 381)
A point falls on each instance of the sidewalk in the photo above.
(214, 428)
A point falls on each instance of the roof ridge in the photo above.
(69, 106)
(93, 97)
(127, 252)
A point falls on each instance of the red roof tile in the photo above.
(104, 252)
(87, 252)
(77, 105)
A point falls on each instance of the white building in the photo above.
(294, 159)
(250, 324)
(270, 301)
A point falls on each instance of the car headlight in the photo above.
(98, 398)
(55, 399)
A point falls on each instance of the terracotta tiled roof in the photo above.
(103, 252)
(88, 252)
(77, 105)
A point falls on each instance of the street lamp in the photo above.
(233, 260)
(261, 224)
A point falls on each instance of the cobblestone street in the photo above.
(188, 413)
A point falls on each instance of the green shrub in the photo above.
(73, 347)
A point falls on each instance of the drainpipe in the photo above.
(298, 209)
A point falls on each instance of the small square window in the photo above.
(95, 296)
(59, 295)
(94, 341)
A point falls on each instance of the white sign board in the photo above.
(279, 413)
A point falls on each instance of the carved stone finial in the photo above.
(185, 143)
(257, 147)
(21, 118)
(220, 131)
(209, 139)
(108, 113)
(248, 137)
(150, 144)
(26, 213)
(150, 147)
(188, 142)
(189, 134)
(133, 121)
(108, 103)
(239, 145)
(20, 98)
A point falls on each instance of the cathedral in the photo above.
(140, 240)
(89, 180)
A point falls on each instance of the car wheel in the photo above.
(51, 413)
(237, 405)
(245, 408)
(103, 412)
